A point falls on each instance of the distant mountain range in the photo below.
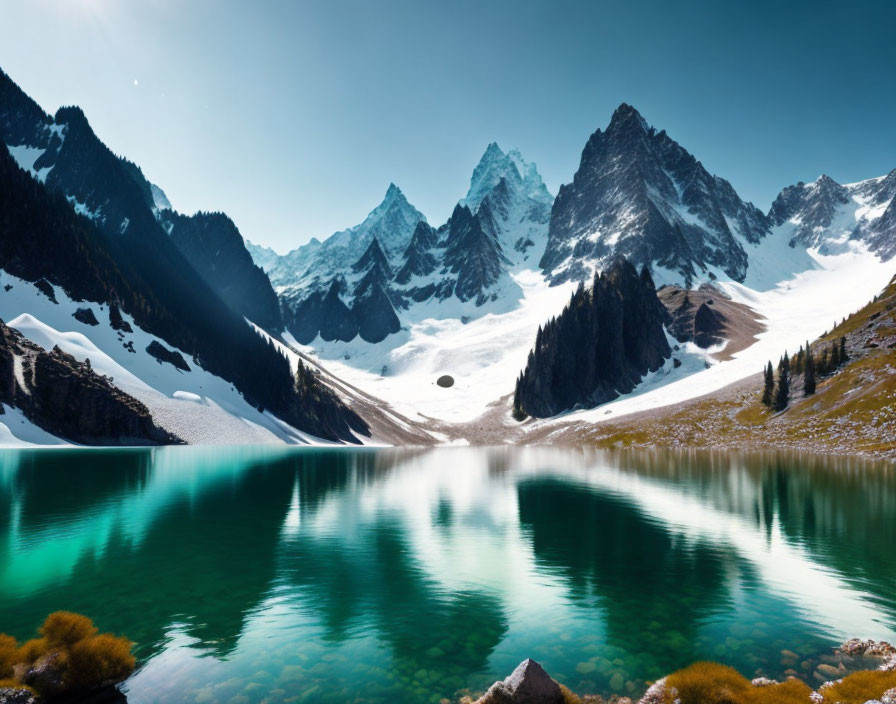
(394, 265)
(637, 193)
(188, 294)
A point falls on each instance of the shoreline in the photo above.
(530, 683)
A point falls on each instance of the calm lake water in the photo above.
(266, 575)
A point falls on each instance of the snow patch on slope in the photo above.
(484, 356)
(17, 431)
(26, 156)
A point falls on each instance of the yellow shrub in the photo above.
(65, 628)
(709, 683)
(13, 684)
(569, 697)
(31, 650)
(98, 659)
(859, 687)
(789, 692)
(9, 651)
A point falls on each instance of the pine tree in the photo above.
(823, 363)
(796, 365)
(835, 357)
(809, 374)
(844, 357)
(768, 391)
(518, 412)
(782, 393)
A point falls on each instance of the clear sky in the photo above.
(294, 116)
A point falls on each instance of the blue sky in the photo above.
(293, 117)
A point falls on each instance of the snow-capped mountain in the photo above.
(85, 227)
(396, 267)
(513, 204)
(392, 223)
(828, 215)
(639, 194)
(263, 256)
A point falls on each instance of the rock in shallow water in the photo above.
(527, 684)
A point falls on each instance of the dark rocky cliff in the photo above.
(69, 400)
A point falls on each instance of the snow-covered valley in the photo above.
(484, 356)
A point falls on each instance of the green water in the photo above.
(254, 575)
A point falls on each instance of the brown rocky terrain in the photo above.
(707, 317)
(68, 399)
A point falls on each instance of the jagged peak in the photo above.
(393, 201)
(493, 150)
(825, 180)
(393, 192)
(424, 236)
(373, 259)
(496, 165)
(626, 117)
(461, 211)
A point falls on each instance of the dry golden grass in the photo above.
(99, 659)
(859, 687)
(63, 629)
(708, 683)
(9, 683)
(32, 649)
(569, 697)
(9, 650)
(711, 683)
(85, 660)
(789, 692)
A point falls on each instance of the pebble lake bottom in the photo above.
(251, 574)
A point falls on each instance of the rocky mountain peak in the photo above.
(625, 117)
(810, 206)
(496, 165)
(640, 194)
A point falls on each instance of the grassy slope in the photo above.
(853, 410)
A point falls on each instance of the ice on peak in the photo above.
(393, 192)
(496, 165)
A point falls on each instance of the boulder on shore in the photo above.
(527, 684)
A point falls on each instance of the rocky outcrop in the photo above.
(706, 317)
(709, 326)
(527, 684)
(17, 695)
(68, 399)
(163, 354)
(473, 255)
(86, 316)
(600, 346)
(856, 647)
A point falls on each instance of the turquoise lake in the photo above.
(251, 575)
